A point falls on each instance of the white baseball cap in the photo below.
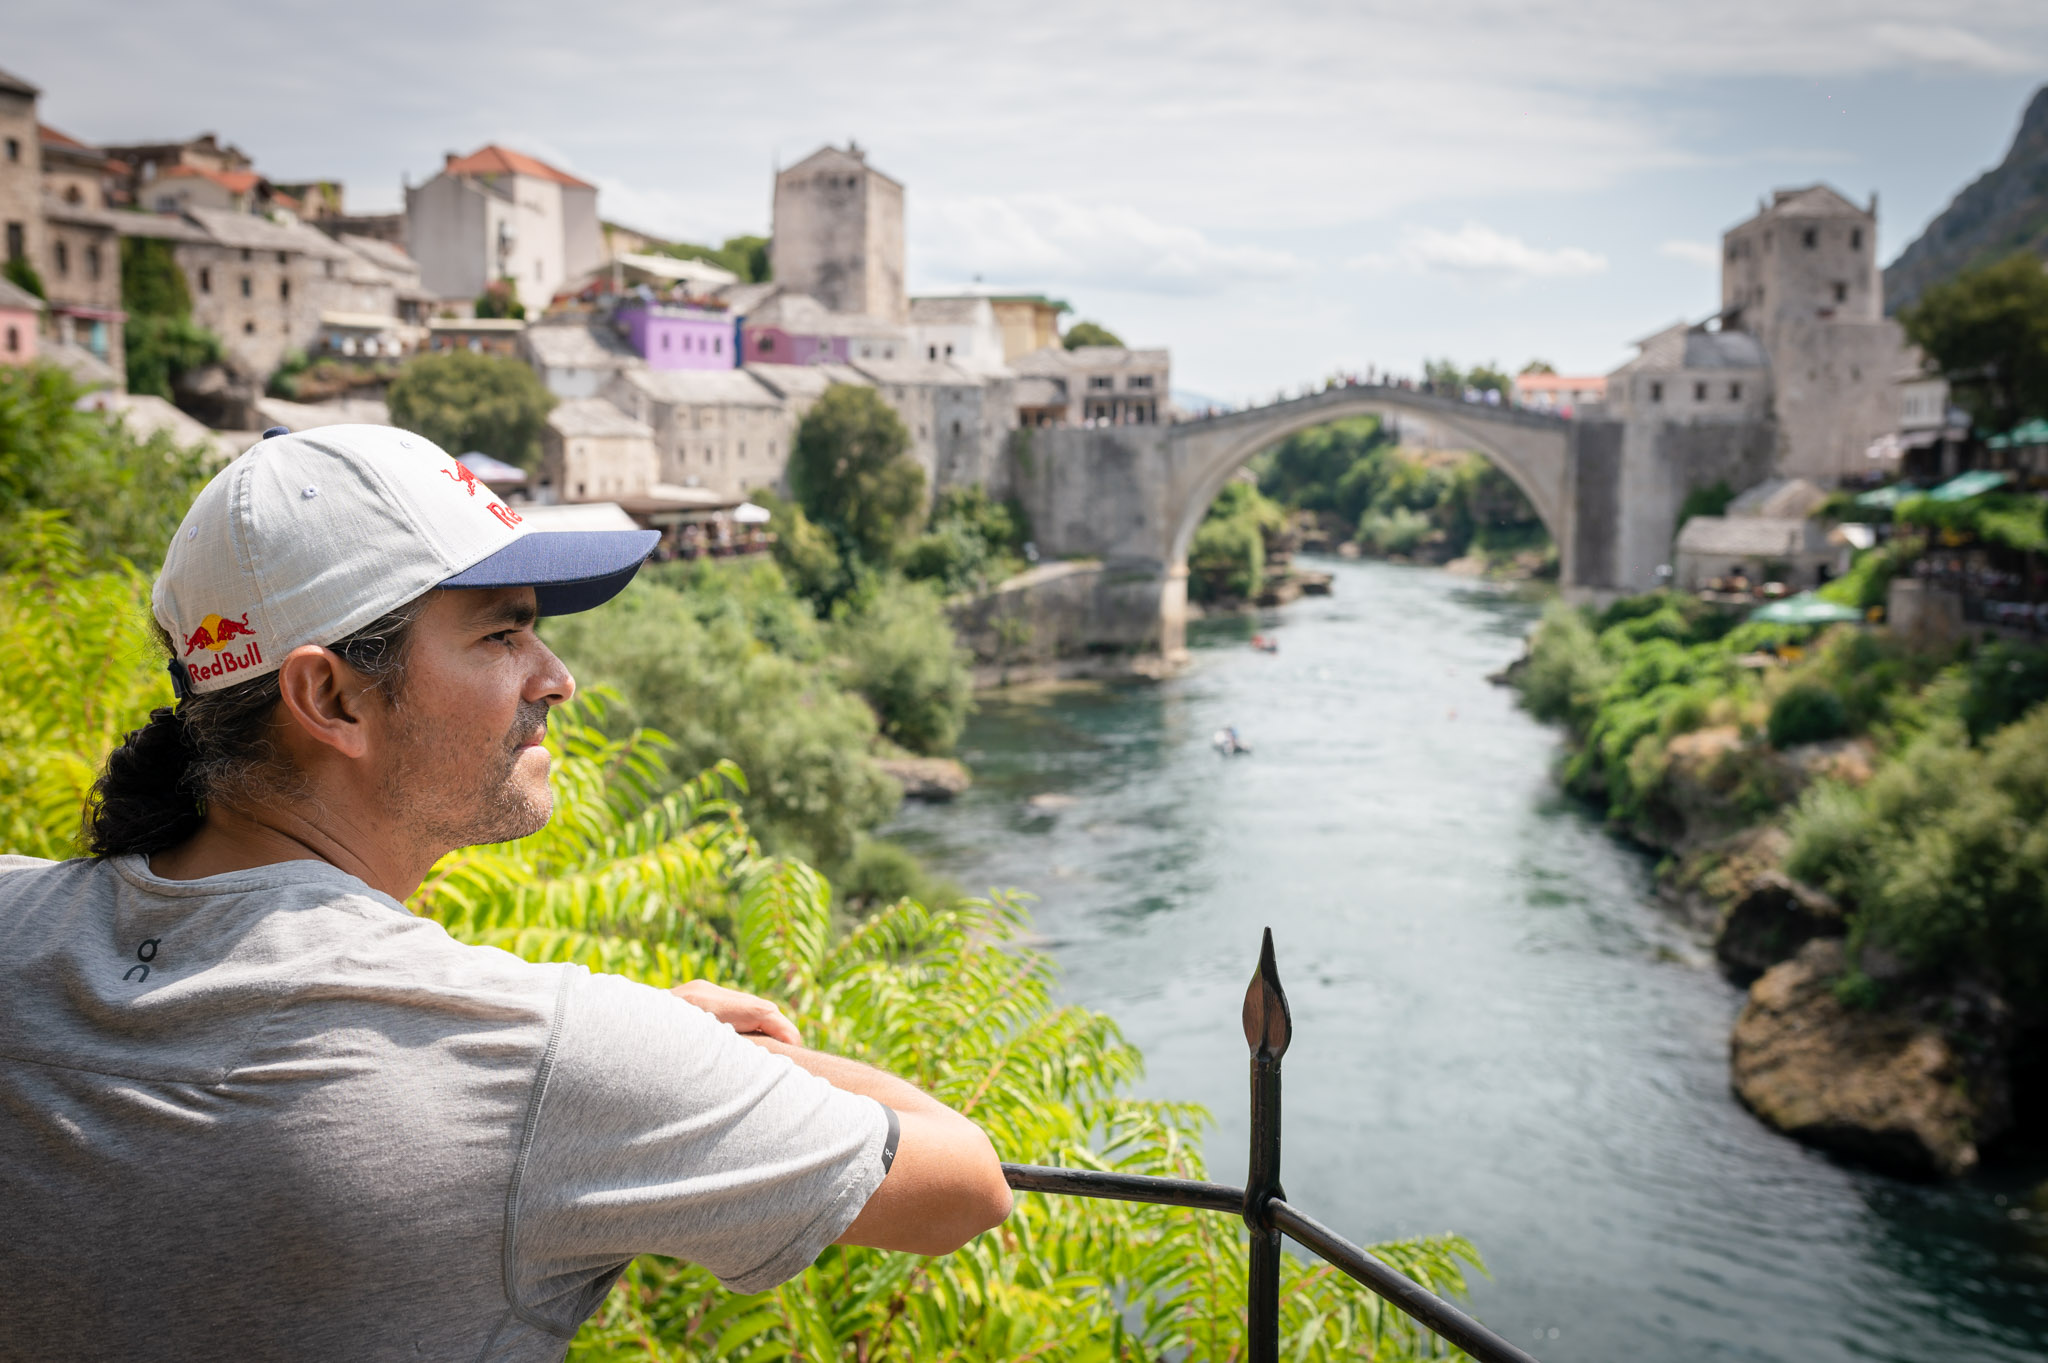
(305, 539)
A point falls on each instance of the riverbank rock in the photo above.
(1771, 922)
(1891, 1086)
(928, 778)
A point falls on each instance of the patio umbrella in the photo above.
(746, 513)
(1804, 609)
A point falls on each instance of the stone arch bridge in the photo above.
(1132, 496)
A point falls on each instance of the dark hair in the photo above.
(218, 746)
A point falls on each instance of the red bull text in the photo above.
(214, 635)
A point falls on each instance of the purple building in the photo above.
(678, 335)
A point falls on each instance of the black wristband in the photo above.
(889, 1145)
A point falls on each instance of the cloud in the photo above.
(1478, 250)
(1947, 45)
(1692, 252)
(1063, 241)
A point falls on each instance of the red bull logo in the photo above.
(463, 476)
(215, 634)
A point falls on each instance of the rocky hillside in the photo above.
(2002, 211)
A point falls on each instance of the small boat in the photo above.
(1264, 644)
(1228, 744)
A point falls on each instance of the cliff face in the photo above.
(2001, 211)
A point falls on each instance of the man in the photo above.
(250, 1107)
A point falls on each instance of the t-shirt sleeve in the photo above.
(658, 1130)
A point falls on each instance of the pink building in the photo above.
(678, 335)
(20, 314)
(795, 328)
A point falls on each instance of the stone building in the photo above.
(260, 286)
(21, 171)
(787, 327)
(1030, 322)
(501, 214)
(958, 330)
(592, 451)
(838, 234)
(720, 429)
(1802, 277)
(958, 421)
(576, 356)
(1095, 385)
(1766, 535)
(144, 162)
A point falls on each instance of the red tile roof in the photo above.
(50, 134)
(233, 181)
(497, 160)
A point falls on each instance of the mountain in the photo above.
(2002, 211)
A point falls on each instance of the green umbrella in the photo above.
(1804, 609)
(1886, 496)
(1964, 486)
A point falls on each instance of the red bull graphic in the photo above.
(463, 476)
(214, 635)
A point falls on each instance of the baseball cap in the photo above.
(305, 539)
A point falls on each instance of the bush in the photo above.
(882, 872)
(464, 401)
(1567, 669)
(2005, 680)
(897, 649)
(806, 554)
(160, 350)
(1227, 559)
(690, 664)
(1399, 531)
(1089, 333)
(1943, 855)
(1806, 712)
(20, 273)
(972, 542)
(123, 497)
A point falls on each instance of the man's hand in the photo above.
(744, 1013)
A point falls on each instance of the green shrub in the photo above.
(159, 350)
(972, 542)
(2005, 680)
(1398, 531)
(896, 648)
(807, 555)
(851, 474)
(1806, 712)
(882, 872)
(1567, 669)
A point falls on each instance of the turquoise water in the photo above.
(1497, 1029)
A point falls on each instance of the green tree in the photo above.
(898, 651)
(123, 496)
(463, 401)
(23, 275)
(1227, 559)
(152, 285)
(850, 474)
(1987, 332)
(1089, 333)
(746, 256)
(971, 542)
(1539, 367)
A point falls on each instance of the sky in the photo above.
(1277, 191)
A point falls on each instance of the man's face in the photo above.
(462, 751)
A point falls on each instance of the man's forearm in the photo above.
(854, 1077)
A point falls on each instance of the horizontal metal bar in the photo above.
(1172, 1192)
(1411, 1297)
(1403, 1292)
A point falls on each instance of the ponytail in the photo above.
(219, 747)
(146, 799)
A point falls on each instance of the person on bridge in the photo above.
(252, 1107)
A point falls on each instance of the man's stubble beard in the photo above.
(493, 807)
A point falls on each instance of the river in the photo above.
(1497, 1029)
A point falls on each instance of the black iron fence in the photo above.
(1268, 1027)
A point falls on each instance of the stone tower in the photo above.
(838, 234)
(1802, 277)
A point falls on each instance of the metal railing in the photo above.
(1268, 1027)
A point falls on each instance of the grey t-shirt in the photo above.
(272, 1114)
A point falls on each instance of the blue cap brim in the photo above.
(569, 570)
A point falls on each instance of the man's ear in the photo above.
(324, 698)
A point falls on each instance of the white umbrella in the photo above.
(746, 513)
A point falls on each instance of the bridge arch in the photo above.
(1528, 447)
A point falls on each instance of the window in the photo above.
(949, 352)
(92, 261)
(247, 255)
(63, 259)
(1841, 292)
(1810, 238)
(284, 290)
(283, 259)
(956, 428)
(248, 328)
(718, 345)
(205, 280)
(248, 287)
(1735, 392)
(767, 344)
(1855, 238)
(1699, 392)
(13, 340)
(664, 340)
(15, 241)
(13, 154)
(1140, 381)
(1656, 392)
(931, 352)
(1101, 381)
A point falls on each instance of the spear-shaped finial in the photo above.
(1268, 1025)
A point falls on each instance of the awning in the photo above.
(2033, 432)
(1887, 497)
(746, 513)
(1964, 486)
(1804, 609)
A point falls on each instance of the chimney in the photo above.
(447, 159)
